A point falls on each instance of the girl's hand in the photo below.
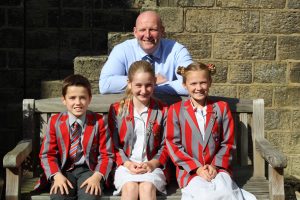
(134, 168)
(204, 172)
(61, 183)
(212, 170)
(93, 184)
(150, 165)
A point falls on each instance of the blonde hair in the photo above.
(183, 71)
(137, 66)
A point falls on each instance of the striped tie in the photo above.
(75, 138)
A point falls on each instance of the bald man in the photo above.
(165, 56)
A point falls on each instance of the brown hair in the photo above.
(183, 71)
(137, 66)
(76, 80)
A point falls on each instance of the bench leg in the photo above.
(13, 180)
(276, 185)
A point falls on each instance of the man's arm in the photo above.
(113, 76)
(173, 87)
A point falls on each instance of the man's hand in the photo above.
(60, 183)
(93, 184)
(160, 79)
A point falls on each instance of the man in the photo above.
(165, 55)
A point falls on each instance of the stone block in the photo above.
(2, 17)
(271, 72)
(198, 45)
(280, 140)
(36, 17)
(295, 72)
(53, 3)
(278, 119)
(15, 17)
(280, 22)
(76, 39)
(117, 38)
(11, 38)
(73, 3)
(172, 19)
(10, 95)
(186, 3)
(295, 165)
(53, 18)
(11, 2)
(241, 47)
(90, 67)
(51, 89)
(293, 4)
(43, 39)
(222, 21)
(37, 58)
(296, 120)
(257, 92)
(114, 20)
(15, 59)
(240, 72)
(223, 90)
(3, 59)
(288, 47)
(13, 78)
(251, 3)
(72, 18)
(287, 96)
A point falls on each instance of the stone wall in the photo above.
(39, 40)
(256, 48)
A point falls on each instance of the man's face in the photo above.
(148, 31)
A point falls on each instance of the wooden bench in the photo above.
(258, 165)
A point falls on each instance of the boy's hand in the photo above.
(61, 183)
(93, 184)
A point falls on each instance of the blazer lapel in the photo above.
(130, 123)
(152, 115)
(65, 136)
(88, 134)
(190, 117)
(210, 120)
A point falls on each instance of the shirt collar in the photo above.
(196, 109)
(155, 54)
(79, 120)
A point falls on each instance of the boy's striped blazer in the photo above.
(97, 144)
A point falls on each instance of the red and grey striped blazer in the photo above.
(185, 143)
(97, 144)
(122, 128)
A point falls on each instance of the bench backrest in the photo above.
(248, 116)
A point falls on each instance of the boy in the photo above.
(76, 153)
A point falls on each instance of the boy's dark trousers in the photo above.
(77, 176)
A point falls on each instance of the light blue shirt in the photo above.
(167, 57)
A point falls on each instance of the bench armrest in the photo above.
(16, 157)
(272, 155)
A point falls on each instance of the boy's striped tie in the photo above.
(75, 138)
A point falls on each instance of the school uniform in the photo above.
(139, 138)
(197, 138)
(95, 148)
